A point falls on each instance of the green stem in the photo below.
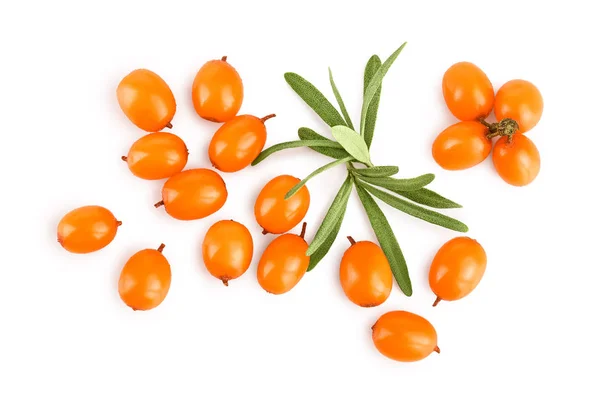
(315, 173)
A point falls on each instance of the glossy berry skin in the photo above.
(521, 101)
(457, 269)
(158, 155)
(193, 194)
(462, 145)
(404, 336)
(517, 161)
(365, 274)
(273, 212)
(238, 142)
(145, 279)
(468, 92)
(146, 100)
(87, 229)
(217, 91)
(227, 250)
(283, 263)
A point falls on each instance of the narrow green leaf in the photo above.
(316, 172)
(416, 211)
(428, 198)
(352, 142)
(387, 240)
(340, 101)
(375, 84)
(372, 66)
(290, 145)
(400, 184)
(334, 215)
(377, 172)
(314, 99)
(309, 134)
(333, 152)
(323, 249)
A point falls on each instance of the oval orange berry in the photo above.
(273, 212)
(521, 101)
(462, 145)
(87, 229)
(468, 92)
(517, 160)
(158, 155)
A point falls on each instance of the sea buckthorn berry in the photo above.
(273, 212)
(227, 250)
(516, 159)
(462, 145)
(521, 101)
(146, 100)
(87, 229)
(404, 336)
(468, 92)
(193, 194)
(145, 279)
(283, 263)
(365, 274)
(457, 269)
(158, 155)
(238, 142)
(217, 91)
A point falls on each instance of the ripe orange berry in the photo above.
(468, 92)
(157, 155)
(227, 250)
(457, 269)
(193, 194)
(217, 92)
(462, 145)
(365, 274)
(145, 279)
(87, 229)
(521, 101)
(146, 100)
(404, 336)
(283, 263)
(517, 160)
(238, 142)
(273, 212)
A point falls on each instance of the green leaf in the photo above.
(416, 211)
(309, 134)
(376, 172)
(387, 240)
(314, 99)
(323, 249)
(428, 198)
(400, 184)
(352, 142)
(340, 102)
(334, 215)
(375, 84)
(290, 145)
(316, 172)
(372, 66)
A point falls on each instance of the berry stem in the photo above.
(159, 204)
(224, 58)
(437, 349)
(124, 158)
(225, 281)
(265, 231)
(351, 240)
(266, 117)
(119, 223)
(437, 301)
(160, 248)
(303, 230)
(169, 125)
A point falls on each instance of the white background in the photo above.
(529, 330)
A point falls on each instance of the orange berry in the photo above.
(227, 250)
(217, 91)
(273, 212)
(404, 336)
(457, 269)
(468, 92)
(157, 155)
(283, 263)
(238, 142)
(365, 274)
(193, 194)
(145, 279)
(520, 101)
(146, 100)
(87, 229)
(517, 160)
(462, 145)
